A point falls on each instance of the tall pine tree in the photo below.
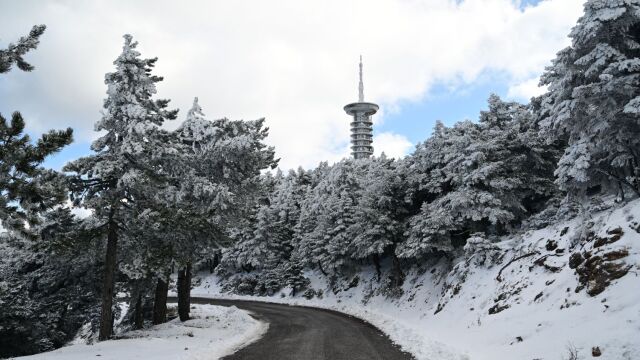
(106, 181)
(216, 180)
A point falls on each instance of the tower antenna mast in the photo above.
(361, 85)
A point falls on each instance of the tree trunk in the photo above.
(321, 269)
(621, 191)
(376, 262)
(160, 302)
(397, 275)
(106, 313)
(215, 262)
(138, 317)
(184, 292)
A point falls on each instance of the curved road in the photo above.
(301, 333)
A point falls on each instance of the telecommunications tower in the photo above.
(361, 126)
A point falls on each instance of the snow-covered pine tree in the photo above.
(325, 229)
(262, 249)
(216, 174)
(380, 220)
(424, 178)
(310, 219)
(291, 271)
(593, 100)
(522, 160)
(284, 205)
(434, 172)
(288, 195)
(484, 177)
(49, 285)
(265, 252)
(106, 181)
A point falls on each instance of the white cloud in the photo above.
(293, 62)
(526, 89)
(393, 145)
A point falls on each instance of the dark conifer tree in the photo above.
(25, 187)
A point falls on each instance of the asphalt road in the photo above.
(301, 333)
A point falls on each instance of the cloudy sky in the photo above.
(293, 62)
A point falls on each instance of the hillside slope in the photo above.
(573, 285)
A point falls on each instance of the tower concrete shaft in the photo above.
(361, 126)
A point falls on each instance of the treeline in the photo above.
(164, 202)
(483, 177)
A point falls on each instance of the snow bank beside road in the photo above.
(404, 335)
(213, 332)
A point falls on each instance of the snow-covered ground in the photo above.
(213, 332)
(538, 310)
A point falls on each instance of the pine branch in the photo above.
(620, 179)
(499, 277)
(15, 52)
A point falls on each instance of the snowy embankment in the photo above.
(213, 332)
(402, 333)
(573, 285)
